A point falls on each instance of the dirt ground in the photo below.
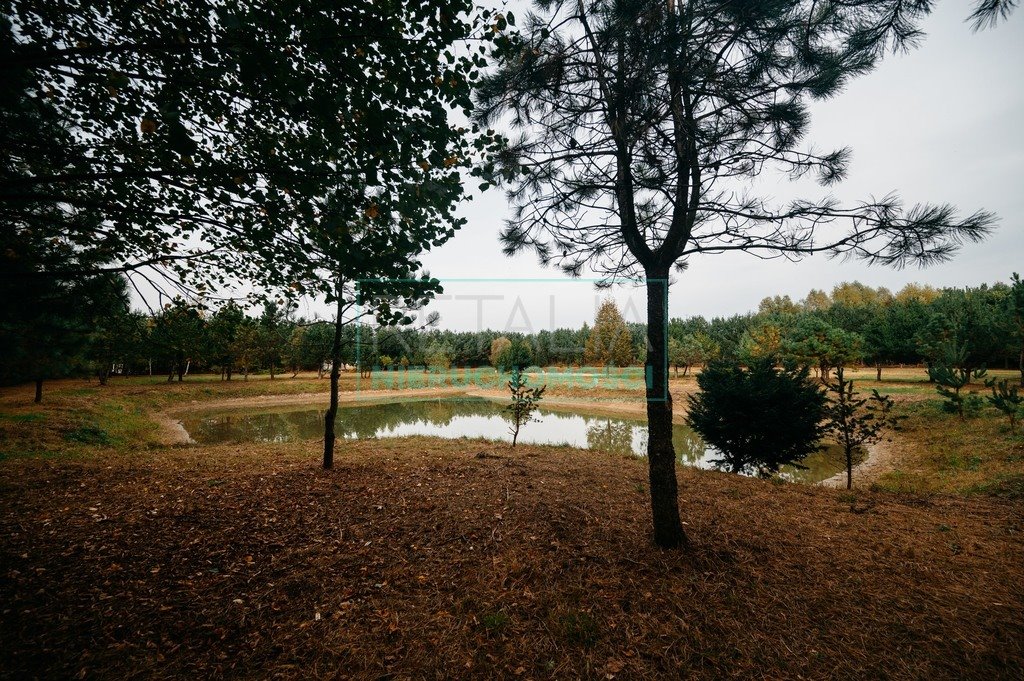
(422, 558)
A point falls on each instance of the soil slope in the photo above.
(421, 558)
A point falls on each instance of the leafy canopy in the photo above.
(205, 139)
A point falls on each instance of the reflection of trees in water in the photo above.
(263, 427)
(612, 435)
(690, 449)
(362, 422)
(608, 435)
(357, 421)
(820, 465)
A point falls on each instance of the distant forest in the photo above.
(99, 335)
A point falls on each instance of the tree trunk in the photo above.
(332, 411)
(661, 456)
(229, 371)
(39, 390)
(849, 467)
(878, 372)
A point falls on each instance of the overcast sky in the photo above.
(941, 124)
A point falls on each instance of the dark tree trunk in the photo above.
(332, 411)
(661, 456)
(229, 368)
(849, 467)
(39, 390)
(878, 372)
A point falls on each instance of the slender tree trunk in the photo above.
(661, 456)
(849, 467)
(332, 411)
(230, 367)
(878, 372)
(39, 390)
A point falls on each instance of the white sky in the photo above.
(940, 124)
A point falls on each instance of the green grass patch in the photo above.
(31, 417)
(495, 622)
(88, 434)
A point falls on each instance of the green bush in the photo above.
(758, 419)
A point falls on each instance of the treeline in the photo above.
(97, 333)
(857, 324)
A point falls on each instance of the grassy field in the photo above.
(418, 557)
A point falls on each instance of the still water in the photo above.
(469, 417)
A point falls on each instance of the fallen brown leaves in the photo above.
(416, 558)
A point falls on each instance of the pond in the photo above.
(471, 417)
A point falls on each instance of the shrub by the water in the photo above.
(760, 418)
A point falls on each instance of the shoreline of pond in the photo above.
(173, 432)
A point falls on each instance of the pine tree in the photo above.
(1006, 398)
(950, 372)
(609, 344)
(758, 419)
(643, 124)
(524, 402)
(856, 421)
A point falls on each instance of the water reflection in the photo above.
(468, 417)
